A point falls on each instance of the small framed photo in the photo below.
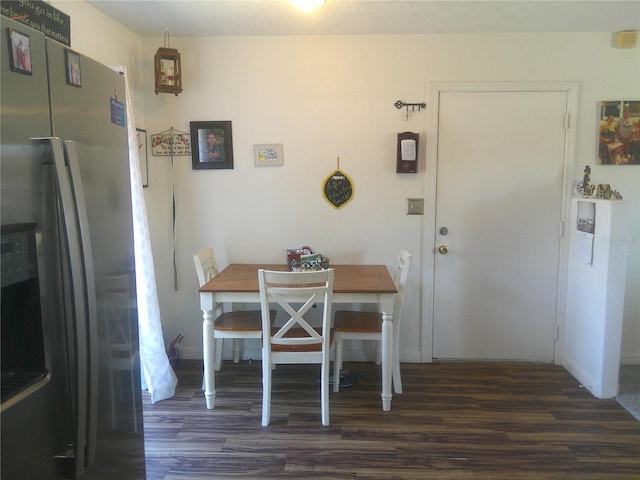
(214, 145)
(72, 60)
(268, 155)
(20, 51)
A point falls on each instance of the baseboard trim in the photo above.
(630, 359)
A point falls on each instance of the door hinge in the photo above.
(561, 229)
(556, 333)
(567, 118)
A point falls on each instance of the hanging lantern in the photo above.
(168, 69)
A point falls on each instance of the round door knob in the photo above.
(443, 249)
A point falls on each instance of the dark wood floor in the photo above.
(453, 421)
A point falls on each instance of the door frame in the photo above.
(430, 179)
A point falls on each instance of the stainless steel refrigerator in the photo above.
(71, 399)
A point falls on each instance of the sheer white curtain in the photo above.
(157, 375)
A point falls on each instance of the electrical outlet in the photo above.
(415, 206)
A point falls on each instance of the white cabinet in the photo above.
(595, 293)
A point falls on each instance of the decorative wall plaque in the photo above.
(338, 188)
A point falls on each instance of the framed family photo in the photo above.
(619, 132)
(214, 145)
(20, 51)
(72, 61)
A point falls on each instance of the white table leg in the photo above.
(208, 349)
(387, 357)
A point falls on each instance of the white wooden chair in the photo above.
(352, 325)
(296, 341)
(236, 325)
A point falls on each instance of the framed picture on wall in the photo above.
(619, 132)
(214, 145)
(72, 60)
(268, 155)
(20, 51)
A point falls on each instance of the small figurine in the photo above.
(615, 195)
(587, 176)
(587, 188)
(603, 191)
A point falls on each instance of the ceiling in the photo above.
(149, 18)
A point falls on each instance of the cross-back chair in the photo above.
(296, 341)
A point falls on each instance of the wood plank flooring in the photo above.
(453, 421)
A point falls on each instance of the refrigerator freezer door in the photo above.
(36, 431)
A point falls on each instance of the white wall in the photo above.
(321, 98)
(324, 97)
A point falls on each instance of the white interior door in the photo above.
(500, 167)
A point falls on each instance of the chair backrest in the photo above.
(296, 293)
(400, 280)
(206, 267)
(119, 297)
(119, 289)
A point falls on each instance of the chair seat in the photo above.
(361, 322)
(297, 333)
(240, 321)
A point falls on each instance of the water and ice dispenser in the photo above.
(23, 355)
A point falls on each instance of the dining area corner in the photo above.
(351, 284)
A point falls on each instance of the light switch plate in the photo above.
(415, 206)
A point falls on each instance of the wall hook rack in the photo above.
(400, 104)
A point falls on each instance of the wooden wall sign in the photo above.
(337, 188)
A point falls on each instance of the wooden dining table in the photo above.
(238, 283)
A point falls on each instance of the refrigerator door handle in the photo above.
(71, 158)
(74, 254)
